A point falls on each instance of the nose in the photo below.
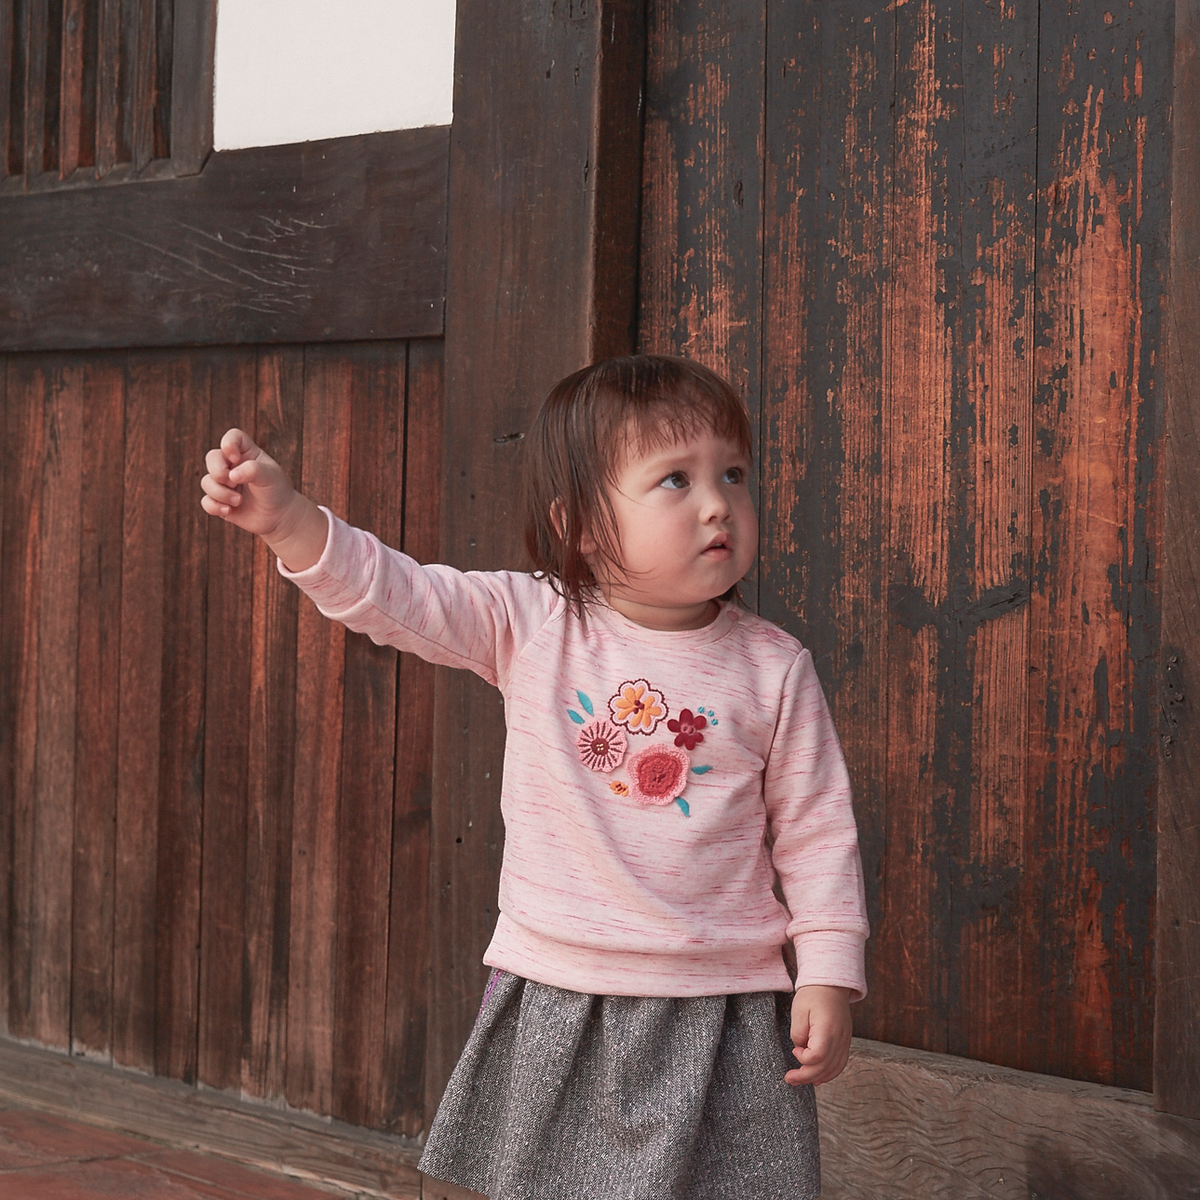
(714, 505)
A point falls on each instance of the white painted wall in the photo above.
(299, 70)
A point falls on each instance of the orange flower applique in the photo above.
(638, 706)
(618, 788)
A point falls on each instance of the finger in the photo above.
(249, 471)
(215, 509)
(238, 446)
(218, 492)
(217, 465)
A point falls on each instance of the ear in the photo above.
(558, 517)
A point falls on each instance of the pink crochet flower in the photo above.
(601, 745)
(657, 775)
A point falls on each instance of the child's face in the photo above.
(686, 530)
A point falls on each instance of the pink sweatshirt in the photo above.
(641, 771)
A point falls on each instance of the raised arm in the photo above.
(248, 488)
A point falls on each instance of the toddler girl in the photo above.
(634, 1042)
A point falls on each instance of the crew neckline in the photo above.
(722, 624)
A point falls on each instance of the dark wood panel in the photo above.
(279, 424)
(10, 624)
(343, 239)
(320, 699)
(1176, 944)
(102, 508)
(1105, 82)
(526, 187)
(373, 379)
(139, 735)
(195, 35)
(408, 979)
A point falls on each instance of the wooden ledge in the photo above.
(905, 1123)
(294, 1143)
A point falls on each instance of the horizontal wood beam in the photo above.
(339, 240)
(292, 1143)
(911, 1125)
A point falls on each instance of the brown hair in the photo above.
(575, 443)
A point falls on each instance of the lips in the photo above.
(718, 548)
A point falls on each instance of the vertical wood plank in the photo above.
(523, 258)
(52, 88)
(109, 80)
(279, 420)
(1094, 621)
(140, 38)
(8, 659)
(1177, 948)
(374, 377)
(319, 707)
(9, 38)
(194, 44)
(232, 379)
(139, 737)
(25, 439)
(701, 260)
(35, 30)
(54, 787)
(102, 508)
(408, 992)
(77, 122)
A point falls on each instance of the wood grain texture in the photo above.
(8, 700)
(269, 244)
(102, 513)
(522, 312)
(8, 60)
(437, 1189)
(279, 426)
(409, 1001)
(332, 1152)
(320, 696)
(1094, 613)
(1176, 945)
(917, 1126)
(191, 111)
(108, 79)
(373, 379)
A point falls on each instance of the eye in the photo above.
(735, 475)
(675, 481)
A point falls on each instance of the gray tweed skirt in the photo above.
(565, 1096)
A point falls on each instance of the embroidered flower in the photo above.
(618, 788)
(601, 745)
(687, 729)
(637, 706)
(658, 775)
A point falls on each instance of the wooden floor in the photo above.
(44, 1157)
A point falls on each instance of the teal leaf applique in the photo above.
(683, 805)
(701, 770)
(575, 716)
(587, 704)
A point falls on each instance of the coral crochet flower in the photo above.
(687, 729)
(658, 775)
(637, 706)
(601, 745)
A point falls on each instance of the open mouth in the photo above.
(718, 549)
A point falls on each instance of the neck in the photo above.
(668, 618)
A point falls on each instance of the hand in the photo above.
(248, 488)
(821, 1029)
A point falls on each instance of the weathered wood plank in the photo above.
(1176, 944)
(372, 377)
(324, 1151)
(830, 81)
(916, 1126)
(78, 57)
(523, 258)
(53, 799)
(279, 422)
(320, 698)
(102, 508)
(191, 110)
(108, 83)
(267, 244)
(408, 1000)
(231, 391)
(701, 260)
(10, 623)
(8, 61)
(1105, 79)
(139, 736)
(35, 31)
(25, 443)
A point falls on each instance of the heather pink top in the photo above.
(641, 771)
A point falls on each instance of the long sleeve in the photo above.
(815, 852)
(476, 620)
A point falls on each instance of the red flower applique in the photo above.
(687, 729)
(657, 775)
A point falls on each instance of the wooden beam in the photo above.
(1177, 1002)
(911, 1125)
(320, 241)
(294, 1143)
(545, 161)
